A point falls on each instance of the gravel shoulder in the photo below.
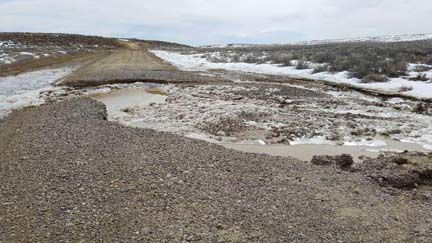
(67, 174)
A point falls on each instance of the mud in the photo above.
(336, 117)
(306, 152)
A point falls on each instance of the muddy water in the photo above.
(118, 100)
(307, 151)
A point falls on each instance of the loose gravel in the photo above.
(69, 175)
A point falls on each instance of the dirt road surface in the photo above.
(130, 64)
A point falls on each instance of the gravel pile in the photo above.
(69, 175)
(131, 75)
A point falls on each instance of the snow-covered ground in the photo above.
(196, 62)
(384, 39)
(185, 111)
(5, 48)
(11, 52)
(24, 89)
(6, 59)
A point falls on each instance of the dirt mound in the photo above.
(401, 171)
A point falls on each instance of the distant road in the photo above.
(130, 64)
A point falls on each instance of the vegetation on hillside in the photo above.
(369, 60)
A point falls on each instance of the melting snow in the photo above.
(314, 140)
(196, 62)
(364, 142)
(6, 59)
(24, 89)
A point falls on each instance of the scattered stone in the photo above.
(423, 108)
(224, 126)
(126, 110)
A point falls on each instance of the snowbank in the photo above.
(418, 89)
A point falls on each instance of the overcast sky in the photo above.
(200, 22)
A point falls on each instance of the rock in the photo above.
(126, 110)
(221, 133)
(401, 179)
(422, 108)
(343, 161)
(400, 161)
(322, 160)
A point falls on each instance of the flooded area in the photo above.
(189, 111)
(119, 101)
(307, 151)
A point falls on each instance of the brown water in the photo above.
(307, 151)
(118, 100)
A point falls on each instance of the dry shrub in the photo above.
(374, 78)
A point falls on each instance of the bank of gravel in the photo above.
(68, 175)
(132, 75)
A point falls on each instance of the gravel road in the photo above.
(69, 175)
(132, 64)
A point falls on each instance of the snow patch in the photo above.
(319, 140)
(404, 86)
(367, 143)
(252, 142)
(24, 90)
(6, 59)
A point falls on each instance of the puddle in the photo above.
(307, 151)
(118, 100)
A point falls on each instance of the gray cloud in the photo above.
(221, 21)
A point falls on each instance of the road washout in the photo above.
(72, 165)
(78, 177)
(281, 115)
(246, 124)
